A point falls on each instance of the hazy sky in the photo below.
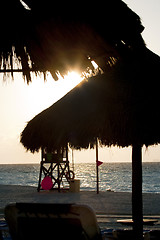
(19, 102)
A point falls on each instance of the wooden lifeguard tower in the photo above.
(55, 166)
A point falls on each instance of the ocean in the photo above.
(112, 176)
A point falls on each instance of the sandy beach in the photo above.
(108, 206)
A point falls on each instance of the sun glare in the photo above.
(71, 79)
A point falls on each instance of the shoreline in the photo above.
(111, 176)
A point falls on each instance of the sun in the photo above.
(70, 80)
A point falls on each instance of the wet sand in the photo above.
(108, 206)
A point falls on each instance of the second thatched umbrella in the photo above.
(119, 107)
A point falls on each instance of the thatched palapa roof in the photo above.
(62, 36)
(119, 107)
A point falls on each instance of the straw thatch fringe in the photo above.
(61, 37)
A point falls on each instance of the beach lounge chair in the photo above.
(51, 221)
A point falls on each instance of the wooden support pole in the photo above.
(137, 201)
(18, 70)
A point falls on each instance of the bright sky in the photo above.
(19, 102)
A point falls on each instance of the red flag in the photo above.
(99, 163)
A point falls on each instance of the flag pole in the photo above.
(97, 166)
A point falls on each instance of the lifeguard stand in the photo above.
(55, 165)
